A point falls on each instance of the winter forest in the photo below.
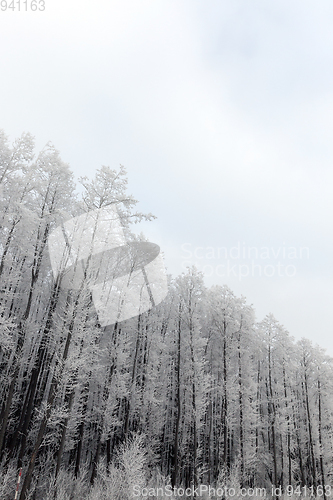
(193, 391)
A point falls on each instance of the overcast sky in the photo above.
(222, 113)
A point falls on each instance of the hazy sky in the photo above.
(222, 113)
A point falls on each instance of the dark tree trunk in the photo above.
(177, 406)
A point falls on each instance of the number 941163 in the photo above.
(23, 5)
(309, 491)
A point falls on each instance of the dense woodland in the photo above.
(192, 391)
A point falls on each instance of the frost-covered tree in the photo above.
(192, 390)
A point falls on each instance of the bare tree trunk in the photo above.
(288, 425)
(307, 405)
(301, 465)
(10, 394)
(272, 414)
(258, 409)
(177, 405)
(321, 439)
(81, 429)
(63, 434)
(35, 270)
(240, 402)
(225, 401)
(194, 409)
(7, 244)
(96, 459)
(133, 376)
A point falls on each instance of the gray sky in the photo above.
(222, 113)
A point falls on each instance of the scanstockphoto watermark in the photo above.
(203, 490)
(243, 261)
(125, 278)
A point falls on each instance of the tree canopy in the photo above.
(193, 391)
